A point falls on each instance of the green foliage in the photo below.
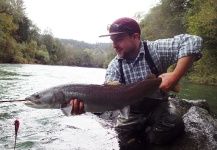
(110, 55)
(82, 58)
(199, 17)
(99, 58)
(8, 50)
(7, 27)
(205, 70)
(163, 21)
(23, 31)
(42, 56)
(18, 57)
(10, 13)
(202, 21)
(13, 8)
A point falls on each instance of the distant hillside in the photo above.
(81, 45)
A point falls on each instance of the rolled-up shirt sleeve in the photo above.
(189, 44)
(166, 52)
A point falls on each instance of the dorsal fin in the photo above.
(113, 83)
(151, 76)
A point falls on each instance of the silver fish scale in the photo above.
(96, 98)
(109, 97)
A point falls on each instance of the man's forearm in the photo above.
(182, 66)
(170, 79)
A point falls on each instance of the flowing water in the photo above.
(197, 91)
(49, 129)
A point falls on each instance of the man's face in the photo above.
(124, 45)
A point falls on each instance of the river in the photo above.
(50, 129)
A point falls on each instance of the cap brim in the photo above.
(113, 33)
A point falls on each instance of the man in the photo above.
(153, 120)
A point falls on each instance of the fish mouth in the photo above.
(32, 103)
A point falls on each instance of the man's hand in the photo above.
(169, 83)
(77, 107)
(170, 79)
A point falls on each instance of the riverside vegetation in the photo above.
(21, 41)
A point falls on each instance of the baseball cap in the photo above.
(123, 25)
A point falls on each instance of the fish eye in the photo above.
(37, 96)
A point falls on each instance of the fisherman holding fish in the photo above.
(146, 116)
(152, 120)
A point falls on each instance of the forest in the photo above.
(21, 41)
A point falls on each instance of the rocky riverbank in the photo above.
(200, 127)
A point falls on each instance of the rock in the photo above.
(200, 127)
(184, 105)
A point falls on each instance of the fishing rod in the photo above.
(21, 100)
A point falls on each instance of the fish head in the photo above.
(45, 99)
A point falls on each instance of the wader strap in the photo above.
(122, 80)
(149, 60)
(152, 66)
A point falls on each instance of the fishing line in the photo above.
(2, 101)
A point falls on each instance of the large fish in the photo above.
(96, 98)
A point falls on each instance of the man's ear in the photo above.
(136, 36)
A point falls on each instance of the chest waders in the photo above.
(150, 121)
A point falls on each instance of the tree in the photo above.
(110, 55)
(7, 42)
(202, 20)
(42, 55)
(22, 33)
(164, 20)
(138, 16)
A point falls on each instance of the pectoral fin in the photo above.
(66, 109)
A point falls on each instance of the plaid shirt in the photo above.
(164, 53)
